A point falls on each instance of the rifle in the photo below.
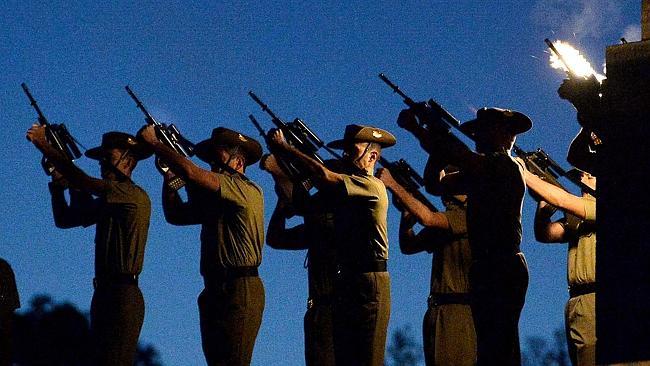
(430, 113)
(57, 135)
(541, 164)
(287, 167)
(552, 47)
(408, 178)
(168, 135)
(300, 136)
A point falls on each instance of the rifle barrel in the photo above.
(257, 125)
(265, 108)
(408, 101)
(141, 107)
(559, 55)
(32, 102)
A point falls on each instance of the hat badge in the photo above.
(377, 134)
(130, 141)
(508, 113)
(241, 137)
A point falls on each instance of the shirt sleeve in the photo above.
(236, 190)
(457, 222)
(590, 209)
(360, 187)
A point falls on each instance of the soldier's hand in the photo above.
(148, 134)
(408, 219)
(521, 162)
(270, 163)
(36, 134)
(582, 93)
(278, 139)
(58, 180)
(384, 175)
(407, 120)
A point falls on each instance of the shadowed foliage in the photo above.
(539, 352)
(50, 333)
(403, 349)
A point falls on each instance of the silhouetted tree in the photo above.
(404, 350)
(58, 334)
(539, 353)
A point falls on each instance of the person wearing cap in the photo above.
(362, 285)
(316, 235)
(121, 214)
(578, 229)
(495, 187)
(9, 302)
(230, 209)
(448, 329)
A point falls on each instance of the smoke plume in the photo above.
(584, 19)
(632, 33)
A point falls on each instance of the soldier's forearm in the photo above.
(321, 173)
(72, 173)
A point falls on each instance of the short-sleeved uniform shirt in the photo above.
(360, 220)
(581, 260)
(494, 203)
(122, 216)
(232, 225)
(9, 299)
(452, 259)
(319, 231)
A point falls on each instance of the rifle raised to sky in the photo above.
(300, 136)
(408, 178)
(57, 135)
(168, 135)
(429, 113)
(541, 164)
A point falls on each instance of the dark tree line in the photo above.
(58, 334)
(404, 350)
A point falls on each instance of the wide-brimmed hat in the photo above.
(514, 122)
(221, 136)
(582, 153)
(119, 140)
(357, 133)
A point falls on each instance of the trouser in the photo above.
(361, 313)
(499, 291)
(448, 335)
(116, 316)
(230, 313)
(6, 320)
(319, 338)
(580, 321)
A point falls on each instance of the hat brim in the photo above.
(513, 126)
(340, 144)
(337, 144)
(580, 154)
(205, 151)
(139, 152)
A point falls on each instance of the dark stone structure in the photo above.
(623, 250)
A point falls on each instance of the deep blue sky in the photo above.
(192, 64)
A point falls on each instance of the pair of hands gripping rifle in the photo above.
(399, 174)
(171, 137)
(56, 135)
(285, 166)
